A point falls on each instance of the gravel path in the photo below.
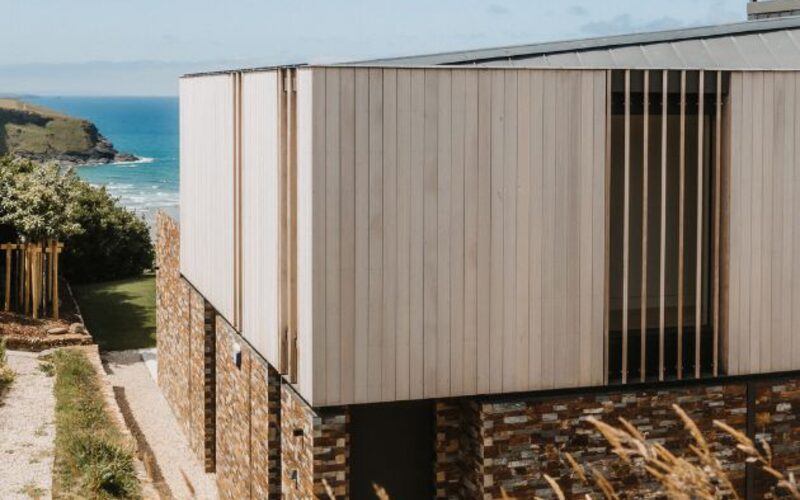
(181, 470)
(27, 431)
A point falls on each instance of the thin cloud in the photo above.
(497, 9)
(625, 24)
(578, 11)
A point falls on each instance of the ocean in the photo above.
(144, 126)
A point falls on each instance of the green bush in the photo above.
(6, 373)
(102, 240)
(114, 243)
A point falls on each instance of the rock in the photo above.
(59, 330)
(125, 157)
(77, 328)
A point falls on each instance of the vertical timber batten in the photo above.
(717, 219)
(681, 229)
(645, 184)
(626, 227)
(663, 237)
(699, 265)
(607, 229)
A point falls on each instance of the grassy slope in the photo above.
(120, 314)
(91, 457)
(62, 133)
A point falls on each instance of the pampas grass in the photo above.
(699, 475)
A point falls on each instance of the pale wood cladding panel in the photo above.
(207, 208)
(764, 237)
(465, 211)
(260, 213)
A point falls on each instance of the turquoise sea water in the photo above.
(144, 126)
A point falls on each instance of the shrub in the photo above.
(114, 243)
(102, 239)
(6, 373)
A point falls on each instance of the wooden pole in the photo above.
(28, 272)
(681, 203)
(56, 311)
(283, 154)
(292, 223)
(21, 277)
(626, 227)
(8, 248)
(607, 229)
(645, 181)
(698, 302)
(663, 239)
(717, 218)
(35, 280)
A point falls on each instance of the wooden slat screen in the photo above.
(667, 198)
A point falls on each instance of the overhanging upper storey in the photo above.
(597, 212)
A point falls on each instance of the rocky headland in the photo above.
(44, 135)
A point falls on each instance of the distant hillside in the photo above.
(42, 134)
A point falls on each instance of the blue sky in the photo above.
(140, 47)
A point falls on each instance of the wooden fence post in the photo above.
(8, 248)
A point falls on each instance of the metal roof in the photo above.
(772, 43)
(761, 44)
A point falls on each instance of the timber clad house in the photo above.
(426, 272)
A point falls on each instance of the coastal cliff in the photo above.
(41, 134)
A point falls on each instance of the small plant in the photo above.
(7, 375)
(46, 365)
(33, 491)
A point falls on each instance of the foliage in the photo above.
(700, 474)
(103, 240)
(113, 244)
(92, 459)
(6, 373)
(36, 201)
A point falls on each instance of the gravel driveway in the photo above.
(27, 431)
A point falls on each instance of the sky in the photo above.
(141, 47)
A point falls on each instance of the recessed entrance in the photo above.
(392, 445)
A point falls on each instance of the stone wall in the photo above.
(195, 396)
(182, 336)
(184, 332)
(248, 419)
(511, 444)
(777, 406)
(172, 317)
(315, 449)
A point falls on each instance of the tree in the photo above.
(102, 239)
(37, 202)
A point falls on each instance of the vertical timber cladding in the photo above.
(764, 226)
(207, 184)
(260, 212)
(451, 230)
(237, 207)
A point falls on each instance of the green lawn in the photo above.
(120, 314)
